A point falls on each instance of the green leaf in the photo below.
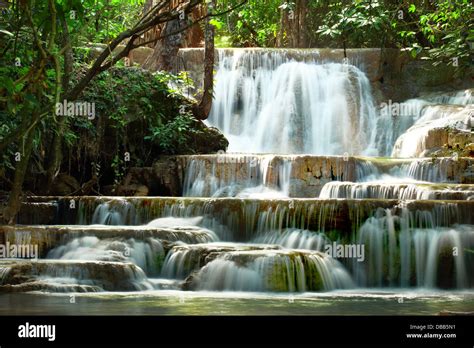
(19, 87)
(7, 83)
(216, 23)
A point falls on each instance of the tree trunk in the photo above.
(164, 56)
(194, 36)
(56, 148)
(14, 200)
(201, 111)
(302, 16)
(281, 33)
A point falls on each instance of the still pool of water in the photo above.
(172, 302)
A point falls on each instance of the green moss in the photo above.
(384, 163)
(314, 281)
(159, 260)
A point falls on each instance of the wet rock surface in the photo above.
(64, 276)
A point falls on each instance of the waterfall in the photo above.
(266, 102)
(233, 175)
(300, 179)
(413, 142)
(236, 219)
(269, 176)
(145, 255)
(271, 245)
(226, 275)
(77, 276)
(116, 212)
(431, 170)
(254, 267)
(294, 238)
(365, 170)
(401, 253)
(4, 271)
(273, 271)
(463, 97)
(180, 262)
(183, 259)
(437, 170)
(395, 190)
(393, 121)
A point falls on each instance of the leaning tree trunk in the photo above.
(194, 35)
(164, 56)
(202, 110)
(14, 200)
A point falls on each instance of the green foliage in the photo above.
(176, 135)
(29, 82)
(441, 31)
(143, 113)
(100, 20)
(448, 30)
(254, 24)
(358, 24)
(136, 111)
(118, 167)
(6, 159)
(133, 104)
(128, 94)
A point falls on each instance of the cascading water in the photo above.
(396, 190)
(146, 254)
(269, 215)
(265, 102)
(3, 273)
(242, 176)
(295, 239)
(413, 142)
(405, 246)
(76, 276)
(395, 118)
(118, 212)
(464, 97)
(287, 271)
(402, 254)
(393, 123)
